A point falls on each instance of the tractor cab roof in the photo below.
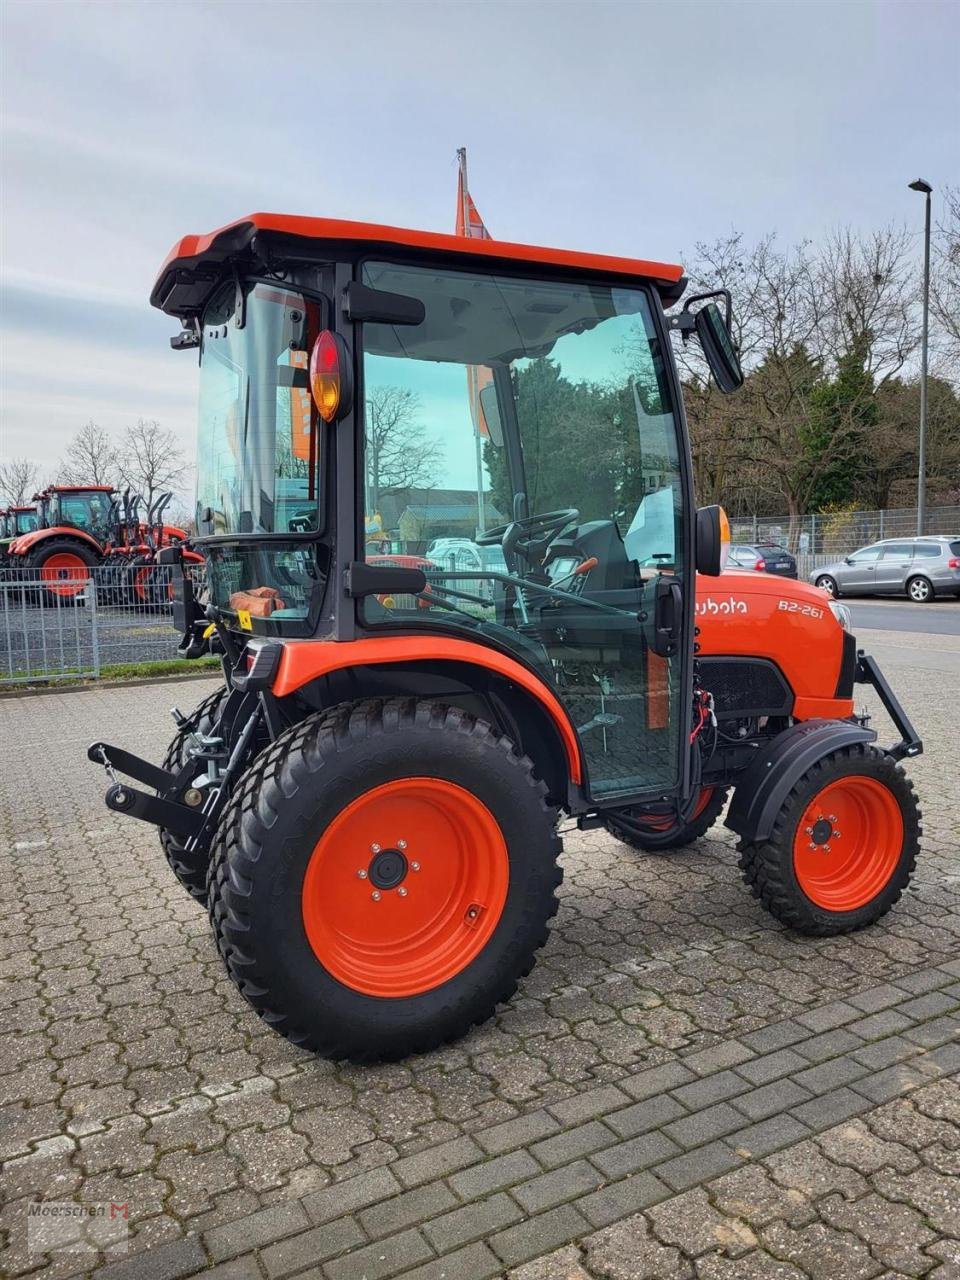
(77, 488)
(195, 265)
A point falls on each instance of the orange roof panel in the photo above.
(220, 244)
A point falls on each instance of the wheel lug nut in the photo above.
(826, 848)
(402, 892)
(362, 875)
(374, 848)
(401, 844)
(809, 830)
(375, 895)
(414, 866)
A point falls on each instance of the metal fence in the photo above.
(820, 537)
(53, 630)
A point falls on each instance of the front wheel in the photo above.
(382, 878)
(657, 833)
(843, 847)
(920, 590)
(828, 584)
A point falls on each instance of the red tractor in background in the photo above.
(14, 521)
(85, 531)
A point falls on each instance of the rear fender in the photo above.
(771, 776)
(28, 541)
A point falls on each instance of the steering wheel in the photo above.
(528, 536)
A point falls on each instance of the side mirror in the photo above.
(848, 560)
(713, 540)
(718, 348)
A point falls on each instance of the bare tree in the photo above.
(19, 480)
(400, 455)
(151, 459)
(89, 458)
(945, 288)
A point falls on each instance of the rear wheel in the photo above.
(655, 833)
(383, 877)
(920, 590)
(64, 567)
(190, 868)
(828, 584)
(843, 847)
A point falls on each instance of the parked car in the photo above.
(919, 568)
(762, 557)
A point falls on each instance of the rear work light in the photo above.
(330, 382)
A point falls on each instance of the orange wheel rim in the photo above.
(848, 843)
(405, 887)
(141, 583)
(666, 821)
(64, 573)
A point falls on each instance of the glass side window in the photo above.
(866, 555)
(928, 549)
(521, 448)
(897, 551)
(85, 511)
(259, 440)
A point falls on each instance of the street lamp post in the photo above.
(925, 187)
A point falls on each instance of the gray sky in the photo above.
(626, 128)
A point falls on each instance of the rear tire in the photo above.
(829, 585)
(920, 590)
(64, 566)
(190, 868)
(629, 826)
(857, 875)
(331, 966)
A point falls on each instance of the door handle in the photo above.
(667, 618)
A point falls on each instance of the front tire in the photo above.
(653, 834)
(829, 585)
(64, 567)
(920, 590)
(382, 877)
(843, 847)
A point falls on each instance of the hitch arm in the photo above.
(114, 758)
(869, 673)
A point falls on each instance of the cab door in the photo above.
(588, 431)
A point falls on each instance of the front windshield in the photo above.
(258, 445)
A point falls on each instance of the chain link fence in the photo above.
(72, 628)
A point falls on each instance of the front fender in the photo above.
(762, 790)
(28, 541)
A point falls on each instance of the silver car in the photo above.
(919, 568)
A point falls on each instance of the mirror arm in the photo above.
(705, 297)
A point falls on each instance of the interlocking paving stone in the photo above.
(772, 1098)
(355, 1193)
(704, 1126)
(415, 1206)
(474, 1221)
(635, 1153)
(557, 1186)
(697, 1166)
(566, 1146)
(255, 1229)
(622, 1198)
(295, 1253)
(475, 1262)
(663, 987)
(652, 1113)
(539, 1235)
(503, 1171)
(386, 1257)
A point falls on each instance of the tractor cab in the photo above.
(516, 402)
(84, 507)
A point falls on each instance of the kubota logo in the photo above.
(713, 608)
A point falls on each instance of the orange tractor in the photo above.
(93, 531)
(14, 521)
(369, 802)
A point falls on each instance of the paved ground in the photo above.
(680, 1089)
(942, 617)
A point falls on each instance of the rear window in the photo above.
(955, 548)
